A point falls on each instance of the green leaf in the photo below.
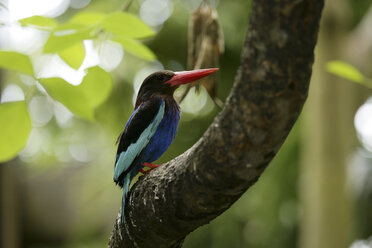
(84, 98)
(40, 22)
(16, 61)
(69, 95)
(70, 26)
(136, 48)
(15, 126)
(96, 85)
(73, 55)
(127, 25)
(345, 70)
(87, 18)
(65, 36)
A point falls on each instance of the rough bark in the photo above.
(270, 89)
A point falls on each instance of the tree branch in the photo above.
(270, 89)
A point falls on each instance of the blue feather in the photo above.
(123, 199)
(127, 157)
(163, 137)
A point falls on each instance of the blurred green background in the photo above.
(59, 191)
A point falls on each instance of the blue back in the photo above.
(161, 140)
(163, 137)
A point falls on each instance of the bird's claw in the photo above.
(151, 166)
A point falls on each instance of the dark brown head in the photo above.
(164, 83)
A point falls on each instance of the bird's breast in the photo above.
(164, 135)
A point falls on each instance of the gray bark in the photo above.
(270, 89)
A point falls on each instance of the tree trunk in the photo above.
(9, 217)
(270, 89)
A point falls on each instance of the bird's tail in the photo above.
(126, 185)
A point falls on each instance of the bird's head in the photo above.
(166, 82)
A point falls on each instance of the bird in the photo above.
(152, 126)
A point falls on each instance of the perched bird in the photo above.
(152, 126)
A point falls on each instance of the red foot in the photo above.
(152, 166)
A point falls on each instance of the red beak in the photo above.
(184, 77)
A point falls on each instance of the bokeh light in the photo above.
(363, 124)
(110, 55)
(19, 9)
(12, 92)
(62, 114)
(78, 4)
(156, 12)
(41, 110)
(194, 101)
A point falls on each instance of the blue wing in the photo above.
(140, 128)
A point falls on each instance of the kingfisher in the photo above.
(152, 126)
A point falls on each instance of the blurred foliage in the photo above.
(89, 25)
(358, 9)
(73, 55)
(40, 22)
(84, 98)
(15, 125)
(16, 62)
(64, 189)
(67, 195)
(66, 39)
